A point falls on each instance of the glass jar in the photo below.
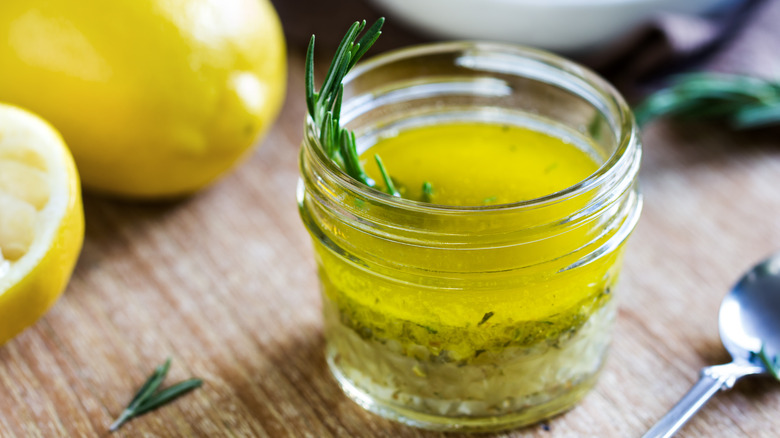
(472, 318)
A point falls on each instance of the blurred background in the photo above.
(633, 43)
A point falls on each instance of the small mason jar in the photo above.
(472, 318)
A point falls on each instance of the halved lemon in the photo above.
(41, 218)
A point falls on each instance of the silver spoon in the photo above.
(749, 318)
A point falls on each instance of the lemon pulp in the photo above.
(41, 218)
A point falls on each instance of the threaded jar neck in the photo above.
(467, 81)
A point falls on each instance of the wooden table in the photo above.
(224, 283)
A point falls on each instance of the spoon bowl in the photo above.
(750, 314)
(749, 322)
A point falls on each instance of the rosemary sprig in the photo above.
(324, 106)
(150, 397)
(743, 101)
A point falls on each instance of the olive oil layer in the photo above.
(473, 164)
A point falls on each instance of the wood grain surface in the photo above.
(224, 283)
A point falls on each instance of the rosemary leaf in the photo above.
(325, 134)
(332, 78)
(151, 385)
(485, 318)
(388, 181)
(167, 395)
(311, 96)
(367, 40)
(427, 192)
(594, 127)
(750, 117)
(352, 165)
(334, 97)
(770, 365)
(726, 86)
(337, 109)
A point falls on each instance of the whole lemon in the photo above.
(156, 98)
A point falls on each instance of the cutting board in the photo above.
(224, 283)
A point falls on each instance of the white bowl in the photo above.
(558, 25)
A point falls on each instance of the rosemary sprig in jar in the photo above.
(324, 106)
(743, 101)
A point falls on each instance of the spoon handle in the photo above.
(711, 380)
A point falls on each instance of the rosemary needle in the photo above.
(427, 192)
(388, 181)
(150, 397)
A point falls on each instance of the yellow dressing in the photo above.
(457, 301)
(472, 164)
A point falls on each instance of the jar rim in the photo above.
(626, 133)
